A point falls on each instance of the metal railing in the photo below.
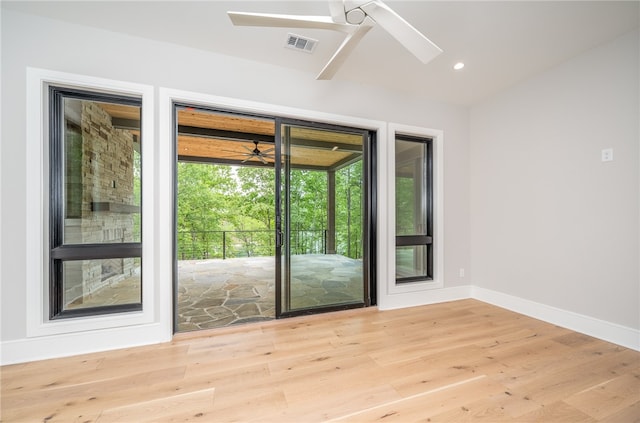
(200, 245)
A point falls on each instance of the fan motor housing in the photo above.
(356, 16)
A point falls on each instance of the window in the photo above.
(414, 209)
(95, 235)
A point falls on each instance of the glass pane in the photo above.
(97, 283)
(411, 208)
(323, 219)
(102, 183)
(411, 261)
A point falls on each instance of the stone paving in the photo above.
(319, 279)
(126, 291)
(217, 293)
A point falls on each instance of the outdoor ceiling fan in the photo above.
(353, 17)
(250, 154)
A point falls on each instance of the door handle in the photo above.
(278, 238)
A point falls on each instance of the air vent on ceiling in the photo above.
(297, 42)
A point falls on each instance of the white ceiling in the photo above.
(500, 42)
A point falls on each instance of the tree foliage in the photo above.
(349, 207)
(308, 210)
(226, 211)
(405, 205)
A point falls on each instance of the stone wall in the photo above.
(107, 178)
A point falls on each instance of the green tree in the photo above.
(405, 204)
(256, 209)
(308, 194)
(256, 195)
(349, 204)
(204, 192)
(241, 202)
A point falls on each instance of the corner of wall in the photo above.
(607, 331)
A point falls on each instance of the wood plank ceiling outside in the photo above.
(227, 138)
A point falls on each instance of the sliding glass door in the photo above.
(323, 216)
(272, 219)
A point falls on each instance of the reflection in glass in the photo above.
(411, 261)
(414, 206)
(101, 172)
(323, 201)
(97, 283)
(411, 208)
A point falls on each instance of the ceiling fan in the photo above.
(353, 17)
(255, 153)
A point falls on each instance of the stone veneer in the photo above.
(107, 177)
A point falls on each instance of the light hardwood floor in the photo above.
(452, 362)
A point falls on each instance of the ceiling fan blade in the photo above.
(287, 21)
(238, 153)
(344, 50)
(232, 157)
(268, 150)
(262, 159)
(336, 9)
(248, 149)
(412, 39)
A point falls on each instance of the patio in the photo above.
(217, 293)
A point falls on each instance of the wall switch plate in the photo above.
(461, 272)
(607, 155)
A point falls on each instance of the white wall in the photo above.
(551, 223)
(29, 41)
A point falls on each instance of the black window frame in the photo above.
(59, 252)
(428, 238)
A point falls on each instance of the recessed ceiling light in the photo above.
(458, 66)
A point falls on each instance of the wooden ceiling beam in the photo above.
(223, 134)
(127, 124)
(324, 145)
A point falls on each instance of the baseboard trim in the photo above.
(425, 297)
(64, 345)
(601, 329)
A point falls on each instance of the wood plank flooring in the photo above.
(451, 362)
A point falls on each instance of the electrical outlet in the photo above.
(607, 155)
(461, 272)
